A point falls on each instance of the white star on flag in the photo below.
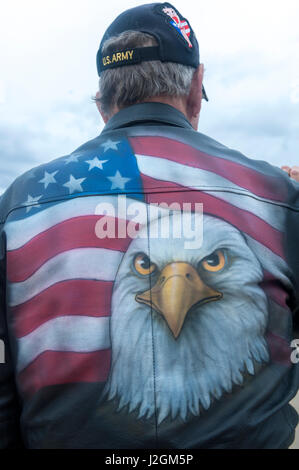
(110, 144)
(96, 163)
(32, 200)
(48, 178)
(71, 158)
(118, 181)
(74, 184)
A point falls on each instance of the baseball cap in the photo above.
(175, 37)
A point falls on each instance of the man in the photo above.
(125, 326)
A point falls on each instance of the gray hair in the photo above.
(131, 84)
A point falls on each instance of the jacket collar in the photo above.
(145, 113)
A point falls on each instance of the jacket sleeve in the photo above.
(9, 405)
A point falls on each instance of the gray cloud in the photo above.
(49, 76)
(43, 138)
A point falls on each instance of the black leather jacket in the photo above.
(119, 332)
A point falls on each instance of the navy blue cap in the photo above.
(175, 37)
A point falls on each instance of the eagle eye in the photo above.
(143, 265)
(214, 262)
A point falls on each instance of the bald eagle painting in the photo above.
(187, 325)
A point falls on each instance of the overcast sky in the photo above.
(48, 76)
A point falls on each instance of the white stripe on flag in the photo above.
(70, 333)
(80, 263)
(206, 181)
(19, 232)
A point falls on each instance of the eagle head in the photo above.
(186, 324)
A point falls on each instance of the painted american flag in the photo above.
(182, 25)
(61, 274)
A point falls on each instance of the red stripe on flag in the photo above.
(241, 219)
(78, 232)
(262, 185)
(73, 297)
(55, 367)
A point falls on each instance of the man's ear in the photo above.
(98, 103)
(195, 96)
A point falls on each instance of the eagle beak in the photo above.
(177, 290)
